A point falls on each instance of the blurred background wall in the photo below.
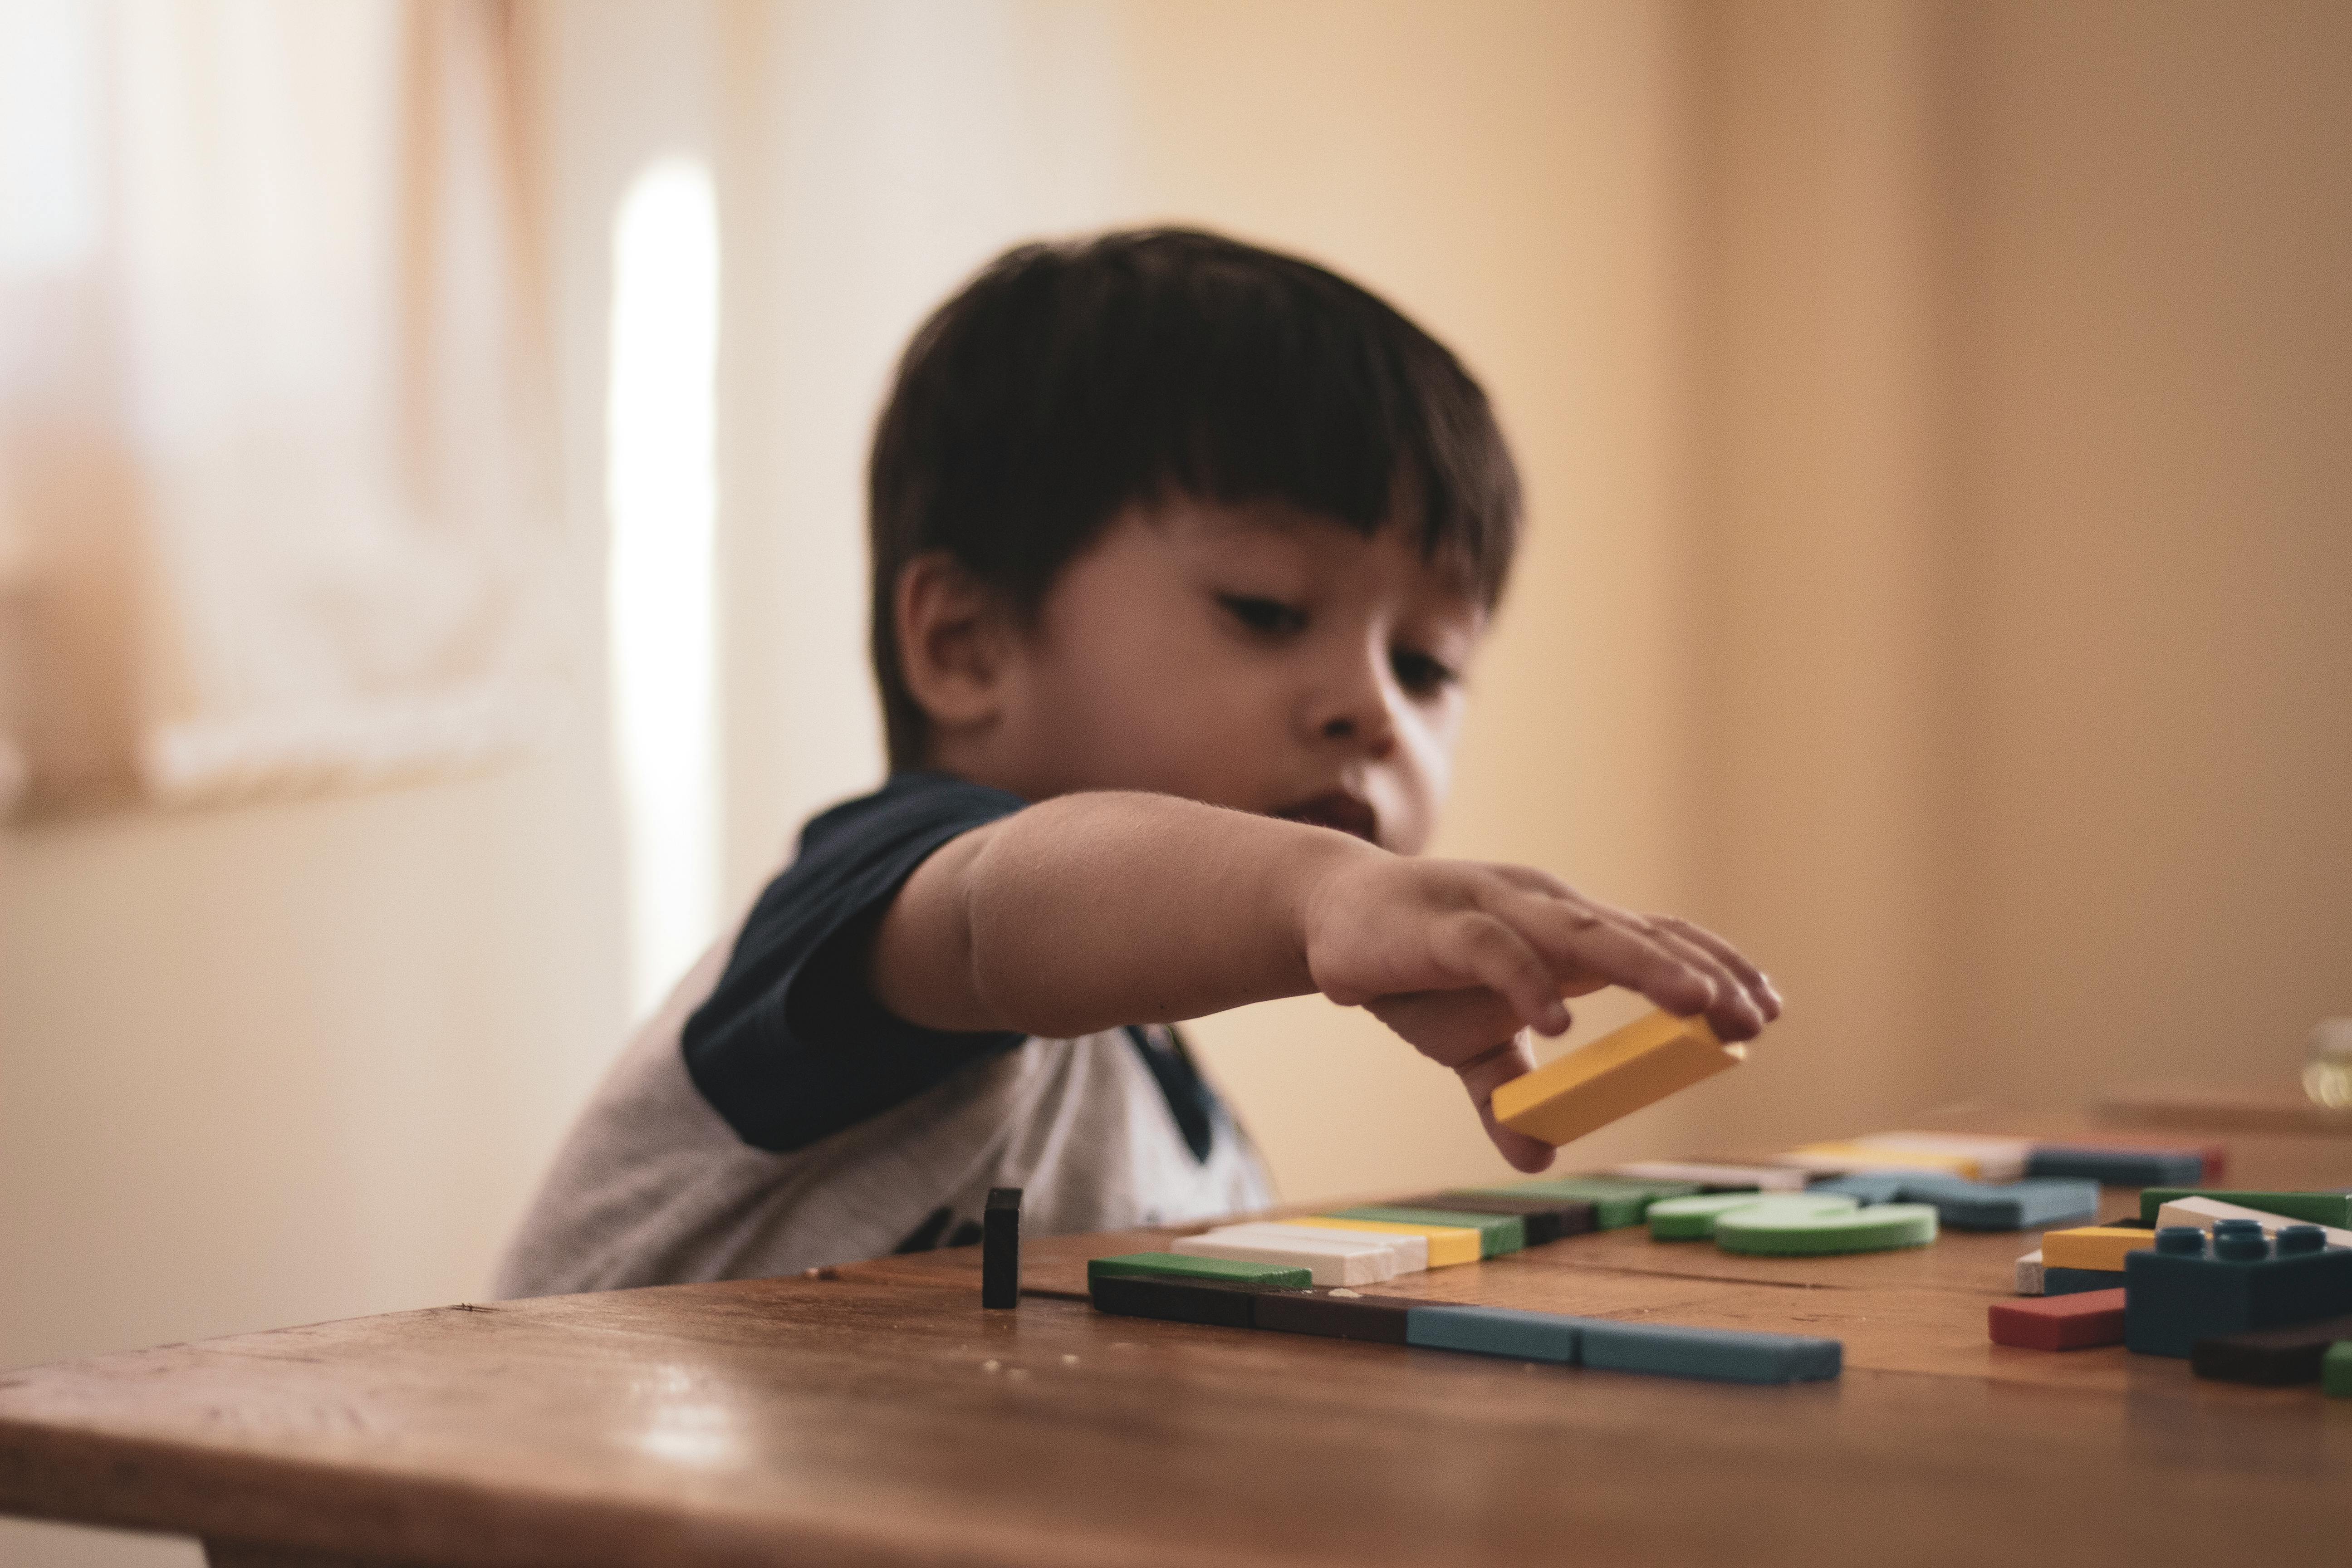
(1941, 581)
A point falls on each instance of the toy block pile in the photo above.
(2249, 1287)
(1299, 1276)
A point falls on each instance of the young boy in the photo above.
(1181, 550)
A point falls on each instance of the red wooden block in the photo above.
(2073, 1323)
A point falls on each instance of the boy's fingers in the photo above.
(1489, 953)
(1582, 941)
(1485, 1073)
(1753, 981)
(1735, 1014)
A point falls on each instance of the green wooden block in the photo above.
(1693, 1218)
(1497, 1233)
(2336, 1370)
(2331, 1209)
(1494, 1331)
(1617, 1201)
(1171, 1265)
(1784, 1232)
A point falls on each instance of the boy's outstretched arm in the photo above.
(1093, 911)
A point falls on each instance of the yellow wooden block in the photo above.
(1836, 1158)
(1615, 1076)
(1447, 1243)
(2095, 1247)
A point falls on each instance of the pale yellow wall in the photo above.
(2154, 602)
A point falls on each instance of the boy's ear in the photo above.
(954, 642)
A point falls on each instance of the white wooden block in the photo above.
(2202, 1212)
(1411, 1252)
(2029, 1274)
(1763, 1178)
(1329, 1263)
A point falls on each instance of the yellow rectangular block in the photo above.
(1447, 1244)
(1832, 1159)
(2096, 1247)
(1615, 1076)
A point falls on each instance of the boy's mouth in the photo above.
(1338, 809)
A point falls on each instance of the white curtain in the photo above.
(276, 508)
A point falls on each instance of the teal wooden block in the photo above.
(1497, 1233)
(2033, 1203)
(2073, 1281)
(1171, 1264)
(1723, 1355)
(1494, 1331)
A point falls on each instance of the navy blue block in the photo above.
(2119, 1167)
(2068, 1281)
(1724, 1355)
(2191, 1286)
(2036, 1204)
(1494, 1331)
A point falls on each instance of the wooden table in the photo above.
(881, 1417)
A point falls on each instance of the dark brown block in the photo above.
(1546, 1219)
(2271, 1357)
(1176, 1300)
(1377, 1319)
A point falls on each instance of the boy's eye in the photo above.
(1270, 617)
(1418, 674)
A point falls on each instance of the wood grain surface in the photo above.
(880, 1416)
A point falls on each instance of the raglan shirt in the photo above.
(771, 1116)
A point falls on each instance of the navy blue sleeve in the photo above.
(792, 1046)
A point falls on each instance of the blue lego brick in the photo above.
(2193, 1286)
(2119, 1167)
(2029, 1205)
(1724, 1355)
(2068, 1281)
(1861, 1189)
(1494, 1331)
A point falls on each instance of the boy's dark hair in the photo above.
(1068, 381)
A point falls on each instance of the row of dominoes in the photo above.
(1981, 1157)
(1228, 1293)
(2248, 1294)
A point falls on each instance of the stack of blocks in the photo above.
(2247, 1294)
(2194, 1286)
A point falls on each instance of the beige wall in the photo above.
(1941, 580)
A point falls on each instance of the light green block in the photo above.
(1225, 1271)
(1694, 1218)
(2336, 1370)
(1879, 1228)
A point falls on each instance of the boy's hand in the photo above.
(1458, 957)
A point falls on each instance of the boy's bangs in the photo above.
(1289, 383)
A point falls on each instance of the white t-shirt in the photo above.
(770, 1117)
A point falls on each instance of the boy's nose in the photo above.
(1365, 721)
